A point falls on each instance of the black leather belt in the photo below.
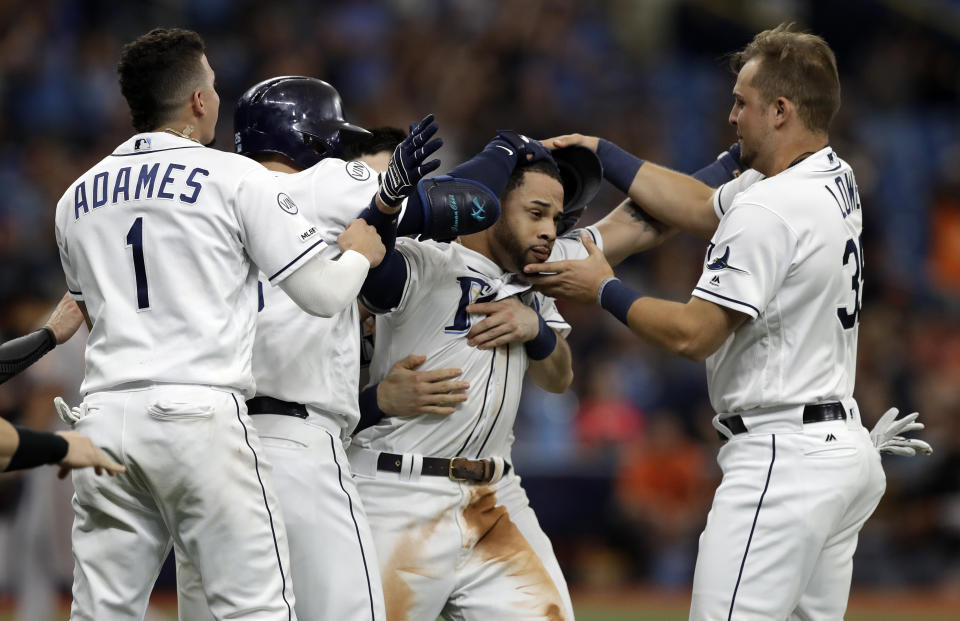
(269, 405)
(811, 414)
(457, 469)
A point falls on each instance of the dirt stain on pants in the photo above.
(495, 538)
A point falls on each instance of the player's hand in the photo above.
(577, 280)
(887, 435)
(569, 140)
(363, 238)
(83, 454)
(408, 392)
(65, 319)
(527, 149)
(408, 164)
(507, 321)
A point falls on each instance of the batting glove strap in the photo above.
(36, 448)
(619, 167)
(543, 344)
(617, 298)
(408, 164)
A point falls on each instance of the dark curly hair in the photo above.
(545, 167)
(158, 71)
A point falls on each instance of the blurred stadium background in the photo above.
(621, 469)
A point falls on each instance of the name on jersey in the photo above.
(846, 194)
(143, 183)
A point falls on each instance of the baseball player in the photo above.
(306, 367)
(453, 529)
(775, 315)
(161, 243)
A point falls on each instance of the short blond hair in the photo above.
(796, 65)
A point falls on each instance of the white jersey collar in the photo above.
(150, 142)
(506, 284)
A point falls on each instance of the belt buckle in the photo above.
(450, 474)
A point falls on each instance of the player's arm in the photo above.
(511, 321)
(488, 172)
(694, 330)
(22, 448)
(675, 199)
(409, 391)
(324, 287)
(18, 354)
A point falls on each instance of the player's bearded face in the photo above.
(527, 226)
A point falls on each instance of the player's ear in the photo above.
(783, 109)
(197, 104)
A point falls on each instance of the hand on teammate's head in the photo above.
(569, 140)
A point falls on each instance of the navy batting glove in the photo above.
(407, 166)
(527, 149)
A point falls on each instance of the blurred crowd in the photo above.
(621, 469)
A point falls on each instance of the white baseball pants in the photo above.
(332, 555)
(463, 551)
(195, 475)
(781, 534)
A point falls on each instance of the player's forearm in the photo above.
(323, 287)
(675, 199)
(694, 330)
(555, 372)
(19, 353)
(9, 438)
(383, 288)
(627, 230)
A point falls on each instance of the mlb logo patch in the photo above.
(142, 144)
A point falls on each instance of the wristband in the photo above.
(384, 223)
(370, 412)
(619, 167)
(617, 298)
(722, 169)
(37, 448)
(543, 344)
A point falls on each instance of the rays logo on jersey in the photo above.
(286, 203)
(722, 263)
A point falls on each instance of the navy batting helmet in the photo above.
(294, 116)
(580, 173)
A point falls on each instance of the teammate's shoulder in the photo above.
(333, 168)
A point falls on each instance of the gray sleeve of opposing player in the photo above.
(323, 287)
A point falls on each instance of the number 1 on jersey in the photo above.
(135, 239)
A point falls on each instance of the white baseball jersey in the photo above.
(162, 240)
(298, 357)
(788, 254)
(431, 320)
